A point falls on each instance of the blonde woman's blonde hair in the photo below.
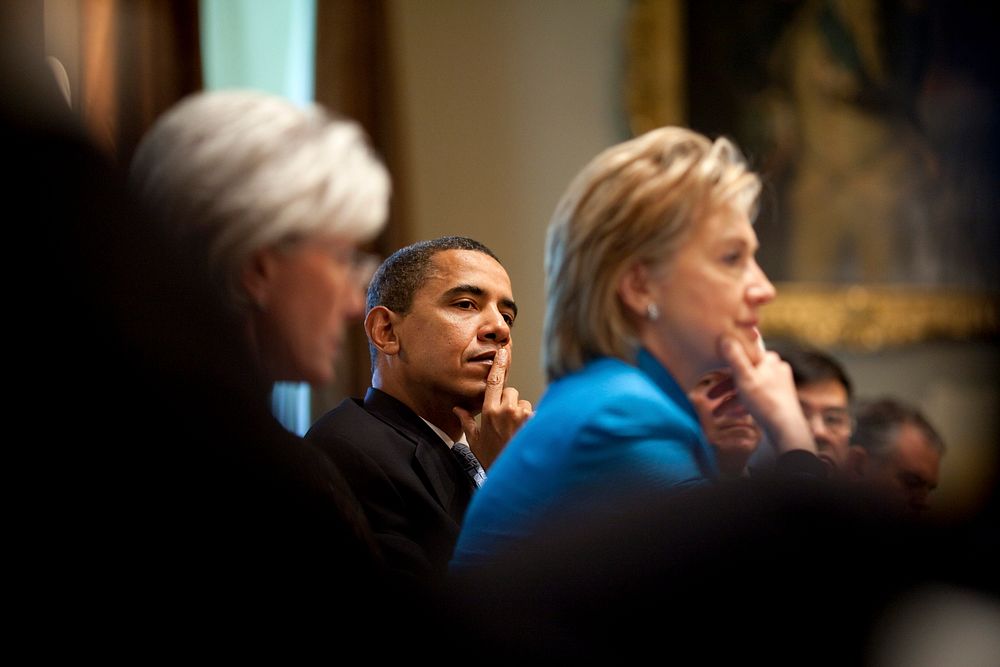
(230, 172)
(635, 201)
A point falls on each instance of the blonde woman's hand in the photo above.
(767, 389)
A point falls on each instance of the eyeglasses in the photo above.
(835, 420)
(363, 266)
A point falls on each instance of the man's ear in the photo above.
(380, 326)
(257, 275)
(634, 289)
(857, 459)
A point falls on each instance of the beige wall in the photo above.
(501, 103)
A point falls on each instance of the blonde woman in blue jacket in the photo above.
(651, 282)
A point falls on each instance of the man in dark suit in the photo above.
(439, 318)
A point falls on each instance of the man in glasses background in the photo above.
(896, 449)
(825, 393)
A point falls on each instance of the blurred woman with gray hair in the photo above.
(261, 205)
(271, 201)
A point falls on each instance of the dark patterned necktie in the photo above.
(470, 463)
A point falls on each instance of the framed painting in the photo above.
(874, 125)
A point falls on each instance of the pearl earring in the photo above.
(652, 312)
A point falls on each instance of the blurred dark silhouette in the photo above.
(166, 502)
(774, 570)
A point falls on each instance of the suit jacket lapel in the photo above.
(432, 455)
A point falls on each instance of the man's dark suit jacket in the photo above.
(411, 486)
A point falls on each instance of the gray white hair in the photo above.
(233, 171)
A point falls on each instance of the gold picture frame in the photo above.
(873, 317)
(862, 315)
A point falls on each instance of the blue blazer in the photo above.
(607, 425)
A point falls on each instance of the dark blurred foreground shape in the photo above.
(768, 571)
(160, 503)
